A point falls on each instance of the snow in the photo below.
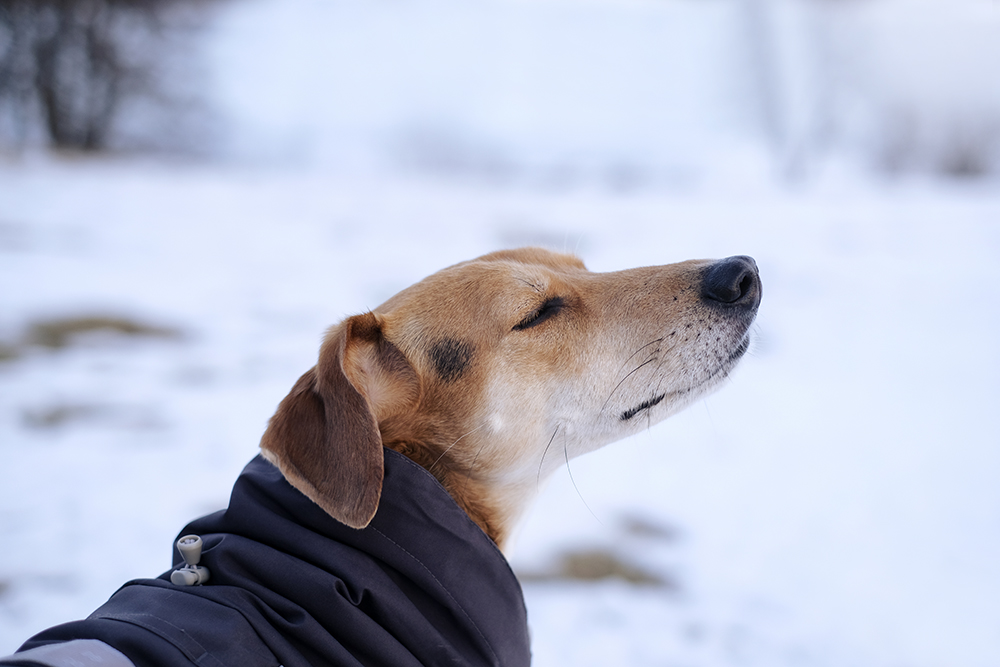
(835, 504)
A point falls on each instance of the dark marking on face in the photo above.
(451, 357)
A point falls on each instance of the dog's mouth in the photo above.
(717, 374)
(642, 407)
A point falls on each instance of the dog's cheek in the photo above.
(451, 358)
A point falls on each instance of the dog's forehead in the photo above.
(536, 256)
(500, 279)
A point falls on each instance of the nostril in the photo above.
(745, 285)
(730, 280)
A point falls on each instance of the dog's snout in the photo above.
(732, 281)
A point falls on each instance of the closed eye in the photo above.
(550, 308)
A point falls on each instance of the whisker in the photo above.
(650, 359)
(438, 459)
(622, 381)
(658, 391)
(538, 478)
(472, 466)
(529, 284)
(570, 471)
(652, 342)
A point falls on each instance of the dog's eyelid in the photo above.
(552, 306)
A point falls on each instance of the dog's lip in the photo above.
(645, 405)
(741, 348)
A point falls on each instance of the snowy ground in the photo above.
(835, 504)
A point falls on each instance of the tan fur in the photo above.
(447, 373)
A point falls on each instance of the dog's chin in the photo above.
(738, 352)
(661, 405)
(720, 373)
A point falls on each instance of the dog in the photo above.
(371, 529)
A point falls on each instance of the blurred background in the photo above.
(191, 191)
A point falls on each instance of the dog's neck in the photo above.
(478, 499)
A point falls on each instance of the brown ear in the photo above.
(325, 437)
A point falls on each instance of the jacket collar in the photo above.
(422, 577)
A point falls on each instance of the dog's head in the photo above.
(493, 372)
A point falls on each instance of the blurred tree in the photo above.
(72, 62)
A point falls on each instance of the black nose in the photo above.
(732, 280)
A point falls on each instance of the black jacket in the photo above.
(291, 586)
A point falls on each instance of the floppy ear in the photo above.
(325, 437)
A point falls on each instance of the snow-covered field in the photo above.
(835, 504)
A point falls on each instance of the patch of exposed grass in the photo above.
(69, 414)
(58, 333)
(639, 526)
(591, 565)
(8, 352)
(60, 415)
